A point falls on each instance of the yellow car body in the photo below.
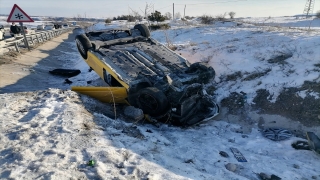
(104, 94)
(97, 65)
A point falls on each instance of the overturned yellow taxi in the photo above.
(146, 74)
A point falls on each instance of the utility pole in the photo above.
(308, 7)
(173, 12)
(145, 11)
(184, 13)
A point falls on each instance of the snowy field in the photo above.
(33, 25)
(51, 134)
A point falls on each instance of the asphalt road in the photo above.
(30, 70)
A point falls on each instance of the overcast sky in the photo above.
(111, 8)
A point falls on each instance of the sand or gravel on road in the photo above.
(29, 70)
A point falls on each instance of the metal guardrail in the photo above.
(38, 37)
(12, 42)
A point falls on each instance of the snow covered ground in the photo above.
(54, 133)
(239, 47)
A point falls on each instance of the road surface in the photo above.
(30, 70)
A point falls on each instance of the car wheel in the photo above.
(143, 30)
(151, 100)
(83, 45)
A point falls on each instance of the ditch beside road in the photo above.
(30, 72)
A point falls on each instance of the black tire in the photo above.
(143, 30)
(133, 92)
(83, 45)
(151, 100)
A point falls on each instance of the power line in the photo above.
(221, 2)
(213, 3)
(164, 7)
(232, 1)
(200, 4)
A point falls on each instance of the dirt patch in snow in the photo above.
(290, 104)
(303, 108)
(12, 55)
(8, 57)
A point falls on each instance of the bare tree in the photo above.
(232, 14)
(147, 10)
(135, 14)
(79, 17)
(221, 17)
(177, 15)
(168, 15)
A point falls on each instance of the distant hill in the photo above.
(301, 15)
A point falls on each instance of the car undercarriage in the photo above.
(157, 80)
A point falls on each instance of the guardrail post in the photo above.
(47, 36)
(37, 38)
(16, 46)
(31, 40)
(42, 37)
